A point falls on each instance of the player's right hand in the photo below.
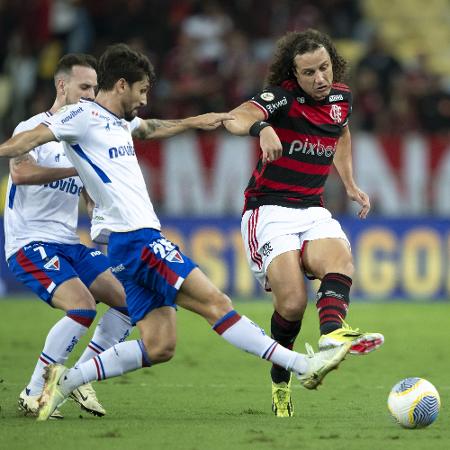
(211, 121)
(270, 145)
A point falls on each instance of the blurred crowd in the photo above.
(210, 55)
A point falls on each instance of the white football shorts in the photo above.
(271, 230)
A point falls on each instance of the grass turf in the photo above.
(212, 396)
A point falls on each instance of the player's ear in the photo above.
(121, 84)
(60, 86)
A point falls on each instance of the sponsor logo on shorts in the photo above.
(117, 269)
(267, 249)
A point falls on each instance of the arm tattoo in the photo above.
(22, 158)
(152, 125)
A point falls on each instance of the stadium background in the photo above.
(210, 56)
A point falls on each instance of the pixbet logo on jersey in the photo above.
(309, 148)
(68, 186)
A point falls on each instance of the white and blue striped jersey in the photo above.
(100, 146)
(47, 213)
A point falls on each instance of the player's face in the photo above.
(314, 73)
(135, 98)
(81, 83)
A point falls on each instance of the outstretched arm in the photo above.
(157, 129)
(23, 142)
(246, 115)
(343, 163)
(25, 170)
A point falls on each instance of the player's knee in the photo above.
(220, 304)
(162, 353)
(292, 308)
(86, 302)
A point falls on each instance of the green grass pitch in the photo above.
(212, 396)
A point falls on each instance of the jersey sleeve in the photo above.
(69, 123)
(271, 101)
(135, 123)
(24, 126)
(349, 112)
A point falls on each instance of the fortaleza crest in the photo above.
(53, 264)
(336, 113)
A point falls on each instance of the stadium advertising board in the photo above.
(404, 259)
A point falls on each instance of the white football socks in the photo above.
(113, 327)
(241, 332)
(60, 341)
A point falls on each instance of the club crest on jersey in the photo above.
(267, 96)
(336, 113)
(175, 257)
(53, 264)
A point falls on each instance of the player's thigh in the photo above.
(198, 294)
(158, 333)
(73, 294)
(287, 281)
(90, 264)
(322, 256)
(106, 288)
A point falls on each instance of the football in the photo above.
(414, 403)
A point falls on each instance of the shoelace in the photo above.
(347, 327)
(309, 350)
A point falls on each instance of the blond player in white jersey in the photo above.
(97, 138)
(43, 249)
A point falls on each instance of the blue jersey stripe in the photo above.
(80, 152)
(12, 194)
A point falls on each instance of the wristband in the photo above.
(256, 128)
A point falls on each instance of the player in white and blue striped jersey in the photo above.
(157, 276)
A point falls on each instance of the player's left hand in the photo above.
(210, 121)
(362, 199)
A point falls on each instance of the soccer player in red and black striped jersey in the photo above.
(301, 119)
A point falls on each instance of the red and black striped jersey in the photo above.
(309, 131)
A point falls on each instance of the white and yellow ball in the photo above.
(414, 403)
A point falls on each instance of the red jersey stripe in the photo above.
(303, 167)
(289, 187)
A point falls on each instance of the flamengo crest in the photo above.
(336, 113)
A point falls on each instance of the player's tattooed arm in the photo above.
(25, 170)
(157, 129)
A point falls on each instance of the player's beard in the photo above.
(130, 115)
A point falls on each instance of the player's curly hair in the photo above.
(297, 43)
(120, 61)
